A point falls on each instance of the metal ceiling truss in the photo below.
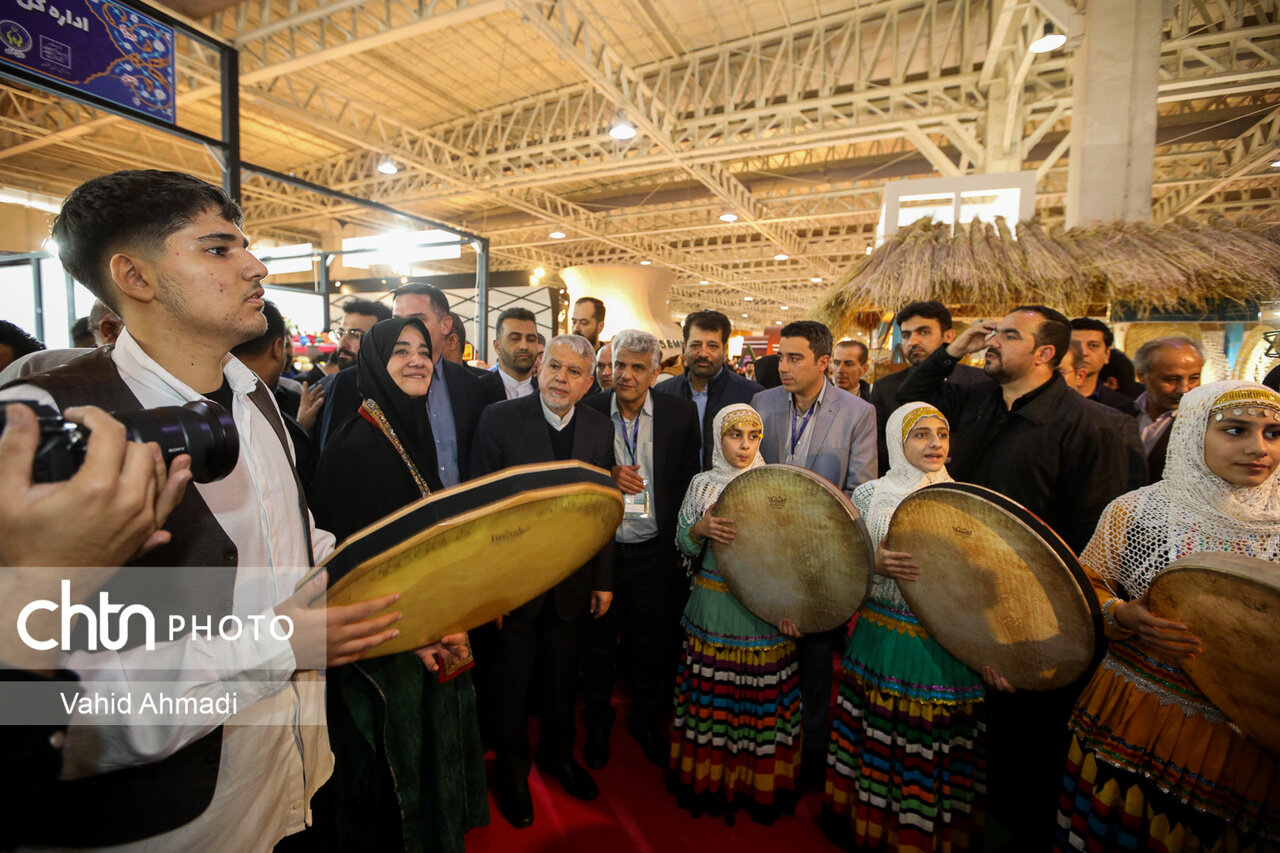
(1255, 149)
(749, 125)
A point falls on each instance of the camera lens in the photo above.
(202, 429)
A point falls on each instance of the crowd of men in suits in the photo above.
(1051, 420)
(1044, 421)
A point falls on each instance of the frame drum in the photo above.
(1231, 603)
(997, 586)
(461, 557)
(801, 551)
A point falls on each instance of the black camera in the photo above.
(201, 429)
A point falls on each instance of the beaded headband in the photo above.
(915, 415)
(742, 416)
(1247, 401)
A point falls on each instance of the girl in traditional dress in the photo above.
(1153, 765)
(736, 736)
(408, 763)
(905, 764)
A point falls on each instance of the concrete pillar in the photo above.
(998, 157)
(1113, 121)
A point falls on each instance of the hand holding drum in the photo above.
(1000, 590)
(798, 555)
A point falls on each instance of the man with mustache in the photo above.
(706, 381)
(1025, 433)
(358, 317)
(657, 444)
(1168, 368)
(924, 327)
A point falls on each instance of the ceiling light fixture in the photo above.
(645, 263)
(1050, 41)
(748, 299)
(539, 272)
(746, 315)
(784, 307)
(388, 167)
(868, 250)
(557, 235)
(704, 281)
(622, 129)
(1275, 164)
(817, 279)
(781, 256)
(728, 216)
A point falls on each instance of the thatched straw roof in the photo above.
(1179, 266)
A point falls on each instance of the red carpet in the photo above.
(635, 814)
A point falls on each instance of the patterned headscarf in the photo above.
(903, 478)
(706, 487)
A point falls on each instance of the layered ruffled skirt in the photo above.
(736, 734)
(1154, 766)
(905, 764)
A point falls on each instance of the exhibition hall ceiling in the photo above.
(790, 115)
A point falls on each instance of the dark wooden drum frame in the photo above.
(1232, 604)
(464, 556)
(1026, 667)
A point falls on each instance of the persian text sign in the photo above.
(96, 46)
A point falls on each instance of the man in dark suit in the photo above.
(706, 382)
(1167, 367)
(1073, 373)
(924, 327)
(546, 633)
(1096, 339)
(849, 360)
(339, 389)
(456, 397)
(658, 447)
(515, 341)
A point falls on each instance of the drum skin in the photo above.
(801, 551)
(1232, 604)
(464, 556)
(997, 586)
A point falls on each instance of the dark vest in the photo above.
(149, 799)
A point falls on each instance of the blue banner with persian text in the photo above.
(96, 46)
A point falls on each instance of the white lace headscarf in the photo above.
(1192, 509)
(881, 497)
(705, 488)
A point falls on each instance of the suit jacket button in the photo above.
(229, 555)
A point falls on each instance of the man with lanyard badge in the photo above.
(658, 445)
(814, 425)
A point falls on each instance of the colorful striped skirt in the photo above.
(736, 735)
(905, 765)
(1153, 766)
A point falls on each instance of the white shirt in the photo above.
(275, 749)
(516, 388)
(633, 528)
(557, 423)
(800, 454)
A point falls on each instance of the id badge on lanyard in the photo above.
(637, 505)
